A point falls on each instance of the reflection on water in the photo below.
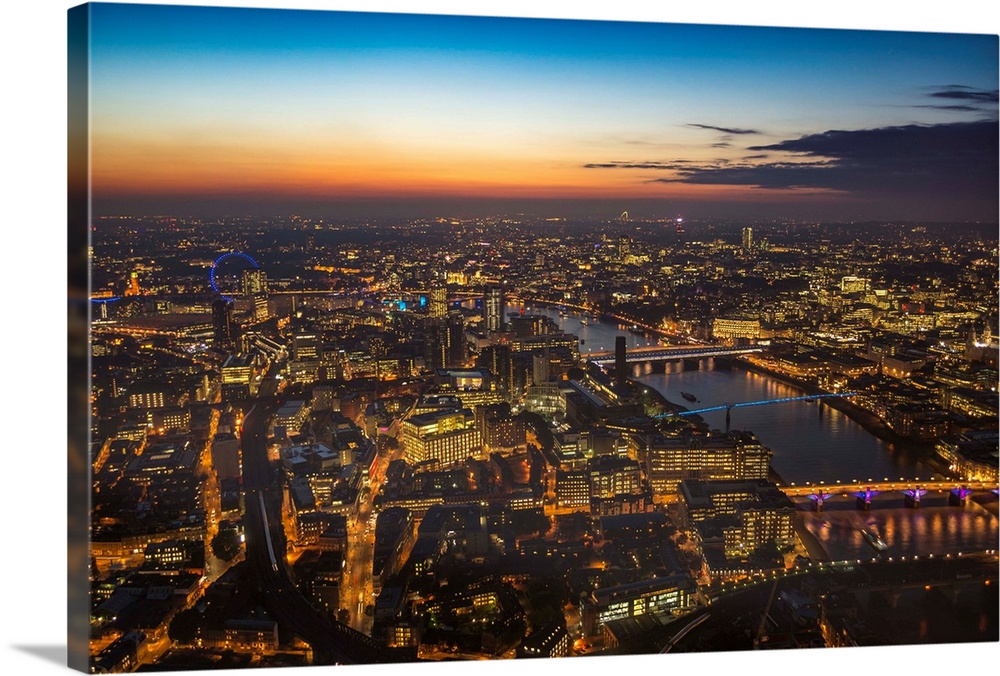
(811, 443)
(595, 336)
(935, 528)
(810, 440)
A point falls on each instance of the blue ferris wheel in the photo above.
(212, 276)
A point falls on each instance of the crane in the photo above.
(760, 638)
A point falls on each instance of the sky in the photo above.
(277, 111)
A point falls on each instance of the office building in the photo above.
(255, 288)
(150, 394)
(493, 307)
(448, 436)
(610, 476)
(498, 360)
(323, 399)
(306, 346)
(853, 284)
(669, 460)
(254, 282)
(238, 369)
(500, 431)
(549, 640)
(738, 516)
(733, 329)
(573, 489)
(658, 595)
(438, 302)
(224, 331)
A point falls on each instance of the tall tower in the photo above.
(455, 328)
(436, 342)
(620, 365)
(499, 359)
(624, 247)
(254, 281)
(223, 329)
(255, 287)
(748, 238)
(439, 301)
(493, 306)
(133, 284)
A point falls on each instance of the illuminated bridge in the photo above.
(762, 402)
(913, 490)
(638, 354)
(887, 485)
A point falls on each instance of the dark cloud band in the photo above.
(724, 130)
(952, 161)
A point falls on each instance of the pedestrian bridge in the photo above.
(761, 402)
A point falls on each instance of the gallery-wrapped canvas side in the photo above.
(78, 322)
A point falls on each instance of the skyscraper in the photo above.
(624, 247)
(223, 329)
(254, 281)
(255, 287)
(748, 238)
(435, 331)
(456, 339)
(438, 301)
(493, 306)
(499, 359)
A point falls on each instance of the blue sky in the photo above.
(337, 108)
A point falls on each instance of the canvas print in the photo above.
(403, 337)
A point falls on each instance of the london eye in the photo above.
(224, 277)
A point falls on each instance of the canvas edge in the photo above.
(78, 337)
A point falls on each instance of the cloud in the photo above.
(963, 93)
(967, 99)
(951, 107)
(673, 165)
(722, 144)
(724, 130)
(946, 161)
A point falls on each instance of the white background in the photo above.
(32, 213)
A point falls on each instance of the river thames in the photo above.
(811, 442)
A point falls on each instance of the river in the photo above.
(811, 442)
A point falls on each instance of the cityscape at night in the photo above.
(420, 338)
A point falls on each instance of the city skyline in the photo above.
(355, 114)
(398, 339)
(397, 377)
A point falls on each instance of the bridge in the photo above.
(636, 355)
(762, 402)
(883, 486)
(864, 492)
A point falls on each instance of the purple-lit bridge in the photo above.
(912, 489)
